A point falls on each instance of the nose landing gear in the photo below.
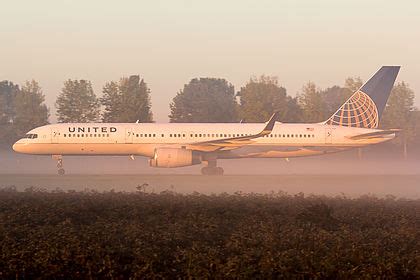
(60, 166)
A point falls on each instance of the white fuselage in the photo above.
(285, 140)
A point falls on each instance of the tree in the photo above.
(127, 101)
(112, 102)
(30, 110)
(398, 113)
(261, 97)
(294, 111)
(312, 103)
(8, 91)
(205, 100)
(77, 102)
(353, 84)
(334, 97)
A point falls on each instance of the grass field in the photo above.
(118, 235)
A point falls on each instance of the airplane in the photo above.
(171, 145)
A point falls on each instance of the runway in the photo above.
(401, 186)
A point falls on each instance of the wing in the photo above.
(233, 142)
(376, 134)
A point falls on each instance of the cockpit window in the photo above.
(31, 136)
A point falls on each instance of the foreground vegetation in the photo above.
(143, 235)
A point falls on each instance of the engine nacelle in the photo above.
(174, 157)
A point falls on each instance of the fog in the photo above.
(169, 43)
(378, 174)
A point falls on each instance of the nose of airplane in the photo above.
(17, 147)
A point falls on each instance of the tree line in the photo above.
(201, 100)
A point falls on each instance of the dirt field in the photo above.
(406, 186)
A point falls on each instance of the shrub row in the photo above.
(142, 235)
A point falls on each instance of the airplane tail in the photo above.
(364, 108)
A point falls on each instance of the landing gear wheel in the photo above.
(212, 170)
(205, 171)
(61, 171)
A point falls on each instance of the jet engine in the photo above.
(174, 157)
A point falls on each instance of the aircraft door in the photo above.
(55, 136)
(129, 134)
(328, 136)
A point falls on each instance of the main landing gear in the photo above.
(212, 169)
(60, 168)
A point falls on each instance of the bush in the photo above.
(142, 235)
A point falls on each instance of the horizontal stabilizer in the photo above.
(375, 134)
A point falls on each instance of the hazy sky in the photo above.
(170, 42)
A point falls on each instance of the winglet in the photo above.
(270, 124)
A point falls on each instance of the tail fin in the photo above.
(364, 108)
